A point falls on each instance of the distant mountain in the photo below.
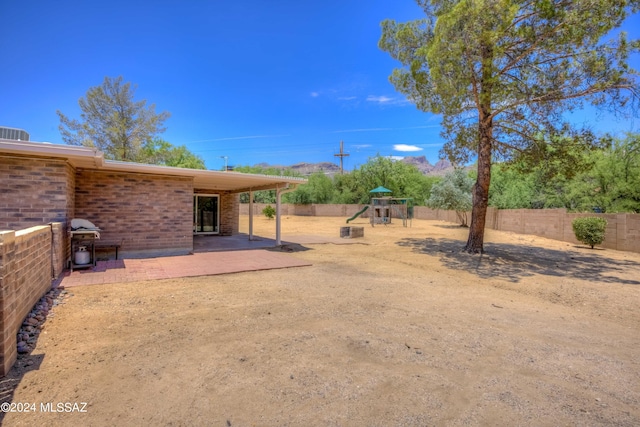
(309, 168)
(305, 168)
(440, 168)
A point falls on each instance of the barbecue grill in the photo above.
(82, 241)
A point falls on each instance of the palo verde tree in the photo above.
(112, 121)
(501, 72)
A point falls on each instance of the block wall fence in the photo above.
(29, 260)
(623, 230)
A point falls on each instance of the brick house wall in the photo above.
(150, 215)
(147, 214)
(35, 191)
(229, 214)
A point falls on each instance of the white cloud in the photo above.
(346, 98)
(314, 94)
(379, 99)
(396, 157)
(405, 147)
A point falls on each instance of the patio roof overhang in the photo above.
(92, 159)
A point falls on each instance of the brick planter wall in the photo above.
(25, 276)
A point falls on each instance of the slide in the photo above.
(358, 214)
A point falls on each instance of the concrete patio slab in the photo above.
(241, 241)
(212, 255)
(198, 264)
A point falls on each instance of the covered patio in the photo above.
(147, 210)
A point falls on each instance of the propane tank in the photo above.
(82, 256)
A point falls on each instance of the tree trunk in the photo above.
(475, 242)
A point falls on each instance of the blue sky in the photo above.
(278, 81)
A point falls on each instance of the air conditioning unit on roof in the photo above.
(13, 133)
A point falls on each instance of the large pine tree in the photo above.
(501, 72)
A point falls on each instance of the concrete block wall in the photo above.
(149, 215)
(25, 276)
(285, 208)
(622, 233)
(631, 234)
(623, 230)
(35, 191)
(346, 210)
(615, 236)
(421, 212)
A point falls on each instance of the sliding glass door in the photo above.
(206, 214)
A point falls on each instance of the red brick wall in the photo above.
(25, 276)
(148, 214)
(35, 191)
(229, 214)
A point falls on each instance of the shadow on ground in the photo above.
(451, 226)
(289, 247)
(513, 262)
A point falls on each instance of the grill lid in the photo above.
(82, 224)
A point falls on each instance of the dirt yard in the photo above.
(397, 329)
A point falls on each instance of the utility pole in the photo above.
(342, 154)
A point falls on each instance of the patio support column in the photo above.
(279, 192)
(278, 197)
(250, 214)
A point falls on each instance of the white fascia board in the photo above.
(91, 158)
(69, 152)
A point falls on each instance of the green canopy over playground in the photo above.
(380, 189)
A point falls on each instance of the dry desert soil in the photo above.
(398, 328)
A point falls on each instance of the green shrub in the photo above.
(589, 230)
(269, 212)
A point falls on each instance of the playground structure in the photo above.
(357, 214)
(383, 208)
